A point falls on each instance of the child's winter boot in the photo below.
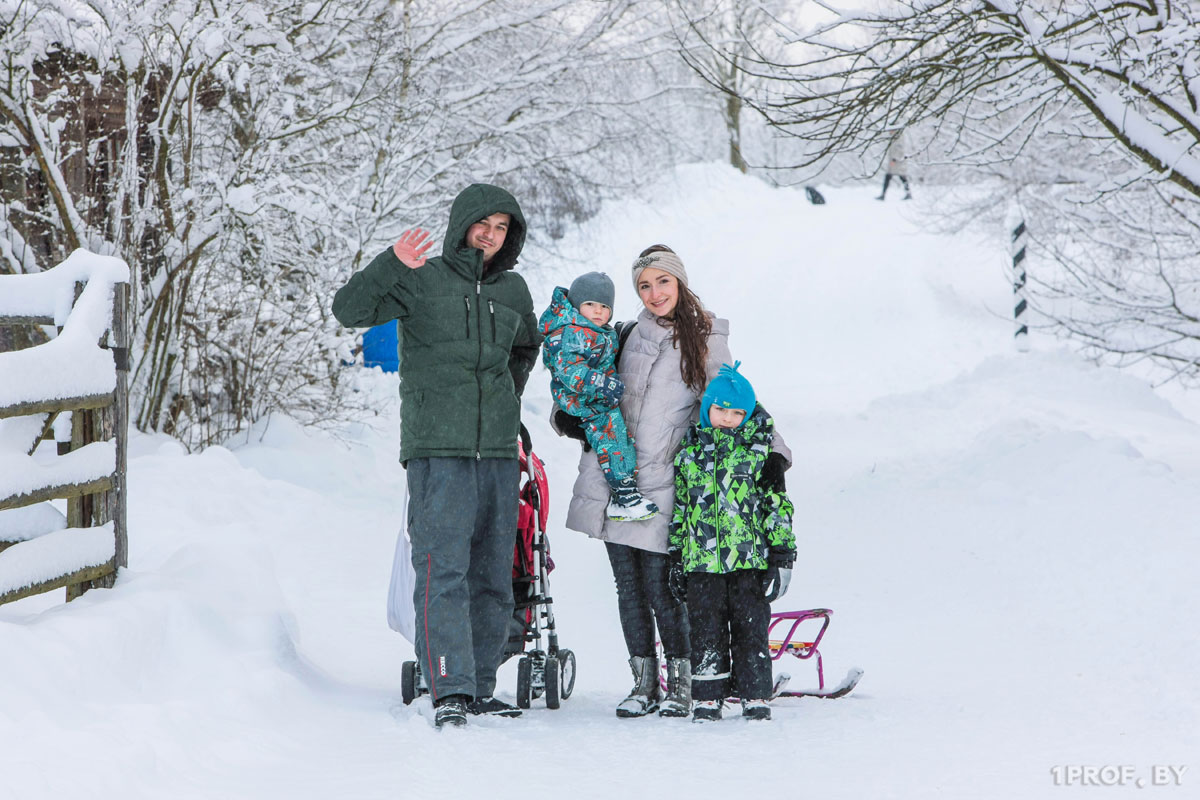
(643, 698)
(678, 702)
(628, 504)
(707, 711)
(756, 709)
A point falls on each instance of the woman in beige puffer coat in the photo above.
(659, 404)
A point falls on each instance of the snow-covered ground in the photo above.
(1007, 540)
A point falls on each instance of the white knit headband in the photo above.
(667, 262)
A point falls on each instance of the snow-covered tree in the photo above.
(1083, 114)
(244, 157)
(715, 38)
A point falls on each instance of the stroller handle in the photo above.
(526, 440)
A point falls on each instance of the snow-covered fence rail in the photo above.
(82, 371)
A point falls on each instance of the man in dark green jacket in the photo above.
(469, 340)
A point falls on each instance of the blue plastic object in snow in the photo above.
(381, 347)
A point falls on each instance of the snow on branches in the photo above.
(1085, 114)
(242, 158)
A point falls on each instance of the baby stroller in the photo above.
(548, 672)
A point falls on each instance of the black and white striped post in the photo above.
(1019, 237)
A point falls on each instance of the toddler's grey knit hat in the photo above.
(591, 287)
(666, 261)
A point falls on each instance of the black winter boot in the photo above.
(493, 707)
(643, 698)
(756, 709)
(451, 711)
(707, 710)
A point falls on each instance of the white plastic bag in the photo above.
(402, 615)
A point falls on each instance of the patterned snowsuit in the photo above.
(729, 530)
(575, 348)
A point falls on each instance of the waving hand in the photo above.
(412, 247)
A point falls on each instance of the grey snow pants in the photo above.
(462, 520)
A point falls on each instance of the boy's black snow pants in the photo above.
(729, 616)
(462, 520)
(643, 598)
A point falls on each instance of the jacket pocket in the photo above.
(505, 323)
(411, 404)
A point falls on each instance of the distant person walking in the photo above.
(897, 164)
(470, 340)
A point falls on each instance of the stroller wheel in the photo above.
(553, 675)
(566, 685)
(524, 681)
(408, 682)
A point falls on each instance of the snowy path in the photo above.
(1007, 542)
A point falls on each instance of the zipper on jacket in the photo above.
(717, 497)
(478, 382)
(492, 314)
(467, 319)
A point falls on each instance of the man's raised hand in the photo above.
(412, 246)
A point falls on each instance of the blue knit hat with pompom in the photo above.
(729, 389)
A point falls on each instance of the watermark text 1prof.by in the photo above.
(1118, 775)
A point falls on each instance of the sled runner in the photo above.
(790, 644)
(541, 672)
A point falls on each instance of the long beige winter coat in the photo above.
(658, 408)
(898, 153)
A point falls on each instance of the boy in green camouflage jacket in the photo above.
(731, 547)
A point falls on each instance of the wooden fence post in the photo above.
(117, 498)
(111, 422)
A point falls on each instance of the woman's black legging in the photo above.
(643, 598)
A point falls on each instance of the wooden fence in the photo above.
(73, 374)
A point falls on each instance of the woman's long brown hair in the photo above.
(690, 329)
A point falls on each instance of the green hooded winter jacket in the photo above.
(469, 336)
(724, 520)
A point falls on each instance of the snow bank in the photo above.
(1006, 541)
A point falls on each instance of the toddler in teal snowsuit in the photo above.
(580, 350)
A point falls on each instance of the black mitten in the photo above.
(771, 477)
(569, 426)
